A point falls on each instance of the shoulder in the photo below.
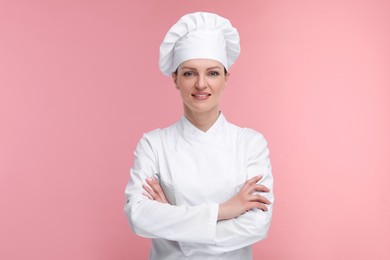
(159, 133)
(152, 135)
(253, 135)
(254, 139)
(156, 136)
(248, 135)
(250, 139)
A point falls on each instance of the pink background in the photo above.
(79, 84)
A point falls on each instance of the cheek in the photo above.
(220, 87)
(183, 93)
(184, 87)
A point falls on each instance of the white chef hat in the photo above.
(199, 36)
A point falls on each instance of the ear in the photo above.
(174, 78)
(226, 79)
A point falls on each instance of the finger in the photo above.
(256, 205)
(153, 183)
(252, 181)
(255, 187)
(161, 194)
(255, 179)
(259, 187)
(150, 191)
(259, 198)
(147, 195)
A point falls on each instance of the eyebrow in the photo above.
(211, 68)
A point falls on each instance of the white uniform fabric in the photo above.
(198, 170)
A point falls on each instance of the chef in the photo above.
(201, 188)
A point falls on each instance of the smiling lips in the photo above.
(200, 95)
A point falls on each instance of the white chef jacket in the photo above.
(197, 171)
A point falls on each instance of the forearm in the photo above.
(235, 233)
(152, 219)
(242, 230)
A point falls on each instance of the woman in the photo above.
(201, 188)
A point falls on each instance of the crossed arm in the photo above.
(210, 227)
(246, 199)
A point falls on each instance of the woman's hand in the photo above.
(154, 190)
(244, 200)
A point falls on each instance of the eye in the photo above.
(214, 73)
(188, 74)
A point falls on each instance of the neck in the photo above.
(202, 120)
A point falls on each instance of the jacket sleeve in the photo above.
(251, 226)
(152, 219)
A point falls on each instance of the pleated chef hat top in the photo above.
(199, 36)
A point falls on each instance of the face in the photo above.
(200, 82)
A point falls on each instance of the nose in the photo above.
(201, 83)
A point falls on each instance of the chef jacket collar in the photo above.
(191, 131)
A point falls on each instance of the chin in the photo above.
(202, 109)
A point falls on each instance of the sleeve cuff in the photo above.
(214, 208)
(211, 222)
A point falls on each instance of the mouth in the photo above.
(200, 95)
